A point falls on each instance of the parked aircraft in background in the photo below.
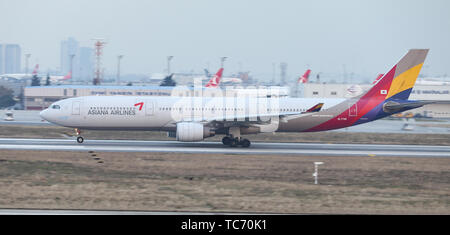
(226, 80)
(56, 79)
(196, 118)
(20, 76)
(53, 78)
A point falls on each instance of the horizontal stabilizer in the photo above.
(392, 106)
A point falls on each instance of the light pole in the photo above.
(222, 60)
(169, 58)
(71, 64)
(119, 57)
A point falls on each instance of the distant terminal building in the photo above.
(439, 93)
(40, 97)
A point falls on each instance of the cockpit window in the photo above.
(55, 106)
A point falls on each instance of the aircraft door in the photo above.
(149, 107)
(76, 108)
(353, 110)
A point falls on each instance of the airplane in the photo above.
(55, 79)
(227, 80)
(20, 76)
(196, 118)
(304, 78)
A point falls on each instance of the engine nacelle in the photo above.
(192, 131)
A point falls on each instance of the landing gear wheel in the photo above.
(227, 140)
(80, 139)
(245, 143)
(234, 142)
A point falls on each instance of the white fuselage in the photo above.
(162, 113)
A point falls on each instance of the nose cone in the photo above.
(44, 114)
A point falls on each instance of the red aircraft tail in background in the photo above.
(36, 68)
(215, 80)
(378, 78)
(68, 76)
(304, 77)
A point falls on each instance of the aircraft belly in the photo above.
(305, 123)
(302, 123)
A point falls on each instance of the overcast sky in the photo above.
(367, 36)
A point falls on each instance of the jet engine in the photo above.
(192, 131)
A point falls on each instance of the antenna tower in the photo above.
(98, 74)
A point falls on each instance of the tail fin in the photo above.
(383, 99)
(215, 80)
(68, 76)
(399, 81)
(36, 68)
(304, 77)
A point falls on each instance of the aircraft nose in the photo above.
(44, 114)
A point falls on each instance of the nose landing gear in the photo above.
(80, 139)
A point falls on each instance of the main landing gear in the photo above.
(233, 142)
(80, 139)
(234, 139)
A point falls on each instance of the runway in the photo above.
(98, 212)
(216, 147)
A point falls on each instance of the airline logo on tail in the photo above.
(304, 77)
(215, 80)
